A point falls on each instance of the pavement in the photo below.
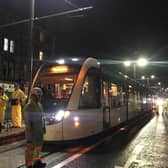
(9, 134)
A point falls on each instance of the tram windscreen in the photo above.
(57, 81)
(57, 84)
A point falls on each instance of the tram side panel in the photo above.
(139, 101)
(86, 114)
(134, 102)
(114, 97)
(118, 103)
(86, 119)
(118, 115)
(147, 102)
(83, 123)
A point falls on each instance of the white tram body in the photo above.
(84, 101)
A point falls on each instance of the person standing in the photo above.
(18, 99)
(165, 107)
(34, 130)
(3, 104)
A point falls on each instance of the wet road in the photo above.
(139, 148)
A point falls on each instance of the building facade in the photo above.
(15, 55)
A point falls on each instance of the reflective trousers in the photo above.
(2, 114)
(32, 153)
(33, 149)
(16, 116)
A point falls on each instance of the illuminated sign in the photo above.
(59, 69)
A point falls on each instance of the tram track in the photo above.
(74, 153)
(19, 147)
(58, 159)
(61, 158)
(12, 146)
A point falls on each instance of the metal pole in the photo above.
(31, 37)
(32, 7)
(147, 81)
(134, 71)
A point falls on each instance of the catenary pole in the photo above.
(32, 7)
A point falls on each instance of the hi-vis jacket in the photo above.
(33, 116)
(3, 101)
(19, 94)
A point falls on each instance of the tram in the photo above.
(83, 100)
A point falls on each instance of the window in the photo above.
(105, 93)
(117, 95)
(60, 86)
(11, 46)
(114, 89)
(90, 93)
(5, 44)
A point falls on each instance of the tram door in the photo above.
(106, 105)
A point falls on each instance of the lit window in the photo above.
(90, 93)
(5, 46)
(40, 56)
(114, 89)
(11, 46)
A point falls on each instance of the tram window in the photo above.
(59, 87)
(131, 95)
(117, 95)
(90, 93)
(106, 93)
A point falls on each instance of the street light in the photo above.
(141, 62)
(148, 78)
(127, 63)
(152, 76)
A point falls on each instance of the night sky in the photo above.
(113, 29)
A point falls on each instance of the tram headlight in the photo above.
(159, 102)
(76, 118)
(59, 115)
(66, 114)
(76, 121)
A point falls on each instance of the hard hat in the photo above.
(16, 85)
(36, 91)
